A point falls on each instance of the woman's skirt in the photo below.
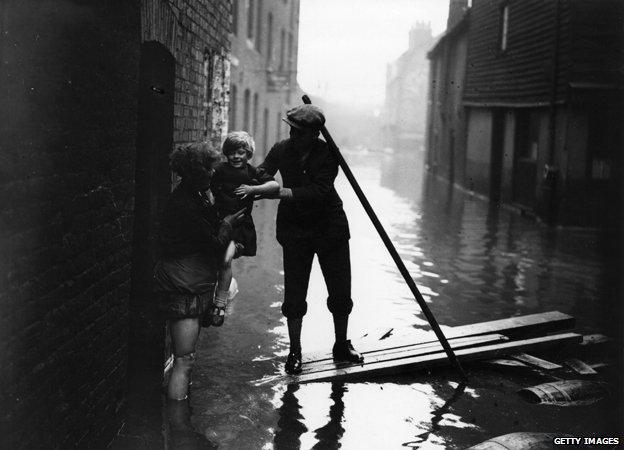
(185, 286)
(175, 305)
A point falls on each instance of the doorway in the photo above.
(152, 184)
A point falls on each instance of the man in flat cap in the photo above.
(311, 220)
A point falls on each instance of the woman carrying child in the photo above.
(192, 242)
(235, 185)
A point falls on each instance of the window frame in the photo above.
(503, 29)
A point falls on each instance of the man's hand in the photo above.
(285, 193)
(243, 191)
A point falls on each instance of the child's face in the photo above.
(237, 158)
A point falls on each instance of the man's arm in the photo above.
(269, 189)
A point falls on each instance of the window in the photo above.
(208, 79)
(282, 49)
(235, 17)
(290, 52)
(246, 111)
(270, 38)
(232, 111)
(255, 114)
(259, 28)
(603, 140)
(278, 135)
(265, 132)
(504, 27)
(250, 19)
(527, 134)
(292, 15)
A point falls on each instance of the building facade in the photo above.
(406, 94)
(93, 97)
(446, 120)
(541, 93)
(264, 38)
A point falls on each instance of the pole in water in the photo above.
(390, 246)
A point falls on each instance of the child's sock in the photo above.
(218, 311)
(221, 299)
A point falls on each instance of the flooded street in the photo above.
(471, 263)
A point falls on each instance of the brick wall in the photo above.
(67, 127)
(68, 131)
(197, 35)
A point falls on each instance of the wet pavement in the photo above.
(471, 262)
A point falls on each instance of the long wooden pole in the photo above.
(390, 246)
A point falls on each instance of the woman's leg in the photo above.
(223, 287)
(184, 334)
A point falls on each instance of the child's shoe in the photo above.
(218, 316)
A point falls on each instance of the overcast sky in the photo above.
(344, 45)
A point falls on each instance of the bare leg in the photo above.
(225, 275)
(223, 287)
(184, 334)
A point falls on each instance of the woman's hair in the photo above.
(236, 140)
(188, 160)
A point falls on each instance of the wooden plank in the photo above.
(513, 327)
(405, 352)
(435, 359)
(506, 362)
(535, 361)
(521, 326)
(580, 367)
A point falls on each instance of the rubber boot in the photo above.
(293, 362)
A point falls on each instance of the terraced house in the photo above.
(526, 105)
(264, 35)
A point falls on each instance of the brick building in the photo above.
(264, 85)
(93, 96)
(540, 94)
(405, 104)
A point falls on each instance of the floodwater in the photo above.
(471, 263)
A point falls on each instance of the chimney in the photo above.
(456, 12)
(420, 35)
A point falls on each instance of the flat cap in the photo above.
(305, 117)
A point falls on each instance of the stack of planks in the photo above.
(479, 341)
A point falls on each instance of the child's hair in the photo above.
(236, 140)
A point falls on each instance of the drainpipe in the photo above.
(550, 170)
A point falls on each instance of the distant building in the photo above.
(405, 104)
(541, 103)
(264, 38)
(446, 120)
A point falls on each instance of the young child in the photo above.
(234, 185)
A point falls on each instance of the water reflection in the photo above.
(437, 415)
(471, 262)
(329, 435)
(290, 423)
(180, 432)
